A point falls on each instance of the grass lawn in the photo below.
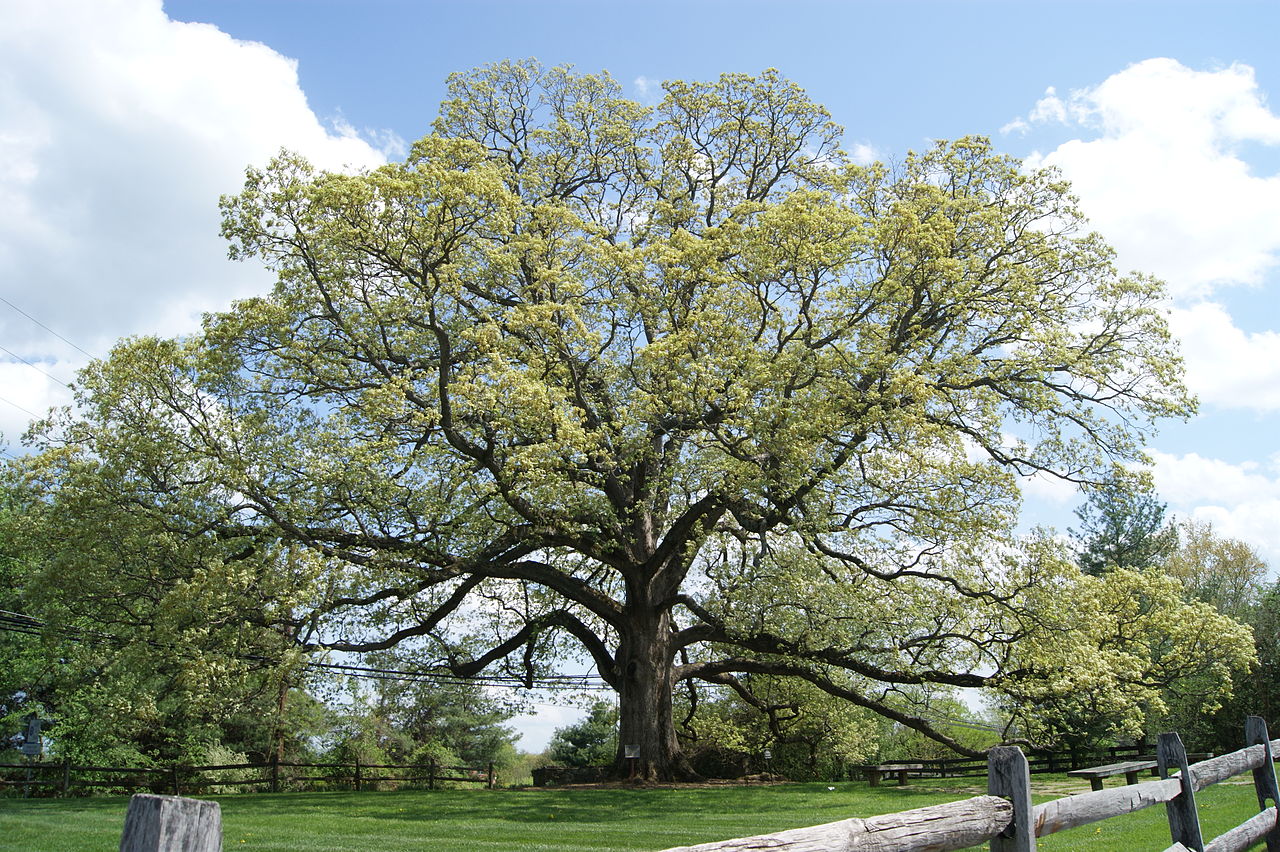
(533, 819)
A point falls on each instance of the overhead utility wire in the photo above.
(46, 328)
(34, 367)
(584, 681)
(19, 407)
(15, 622)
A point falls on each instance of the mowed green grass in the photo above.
(614, 819)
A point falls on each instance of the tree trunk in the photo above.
(646, 721)
(277, 735)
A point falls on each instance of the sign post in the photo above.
(32, 747)
(632, 754)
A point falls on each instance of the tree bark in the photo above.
(646, 721)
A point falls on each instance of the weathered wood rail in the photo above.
(1007, 820)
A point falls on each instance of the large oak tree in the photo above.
(681, 387)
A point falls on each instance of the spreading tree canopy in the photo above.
(681, 387)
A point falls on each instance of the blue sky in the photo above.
(121, 121)
(896, 72)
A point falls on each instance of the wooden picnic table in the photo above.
(875, 772)
(1128, 768)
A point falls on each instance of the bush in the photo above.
(217, 754)
(591, 742)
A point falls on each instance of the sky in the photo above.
(123, 121)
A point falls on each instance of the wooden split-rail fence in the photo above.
(1008, 821)
(1040, 761)
(66, 778)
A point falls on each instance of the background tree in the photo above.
(145, 640)
(810, 734)
(25, 682)
(592, 741)
(1223, 572)
(948, 712)
(678, 386)
(1151, 572)
(1230, 576)
(455, 717)
(1133, 622)
(1259, 695)
(1122, 525)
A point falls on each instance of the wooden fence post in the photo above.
(173, 774)
(357, 774)
(171, 824)
(431, 776)
(490, 781)
(1184, 821)
(1264, 777)
(275, 772)
(1008, 776)
(66, 777)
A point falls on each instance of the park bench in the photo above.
(875, 772)
(1129, 769)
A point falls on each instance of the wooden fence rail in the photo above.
(1006, 819)
(63, 778)
(1038, 761)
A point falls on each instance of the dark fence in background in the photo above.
(67, 779)
(1038, 762)
(47, 778)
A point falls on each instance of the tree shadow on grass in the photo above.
(813, 804)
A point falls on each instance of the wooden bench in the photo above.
(1192, 757)
(877, 771)
(1129, 769)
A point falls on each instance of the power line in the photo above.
(492, 681)
(567, 679)
(14, 622)
(34, 367)
(19, 407)
(554, 682)
(45, 327)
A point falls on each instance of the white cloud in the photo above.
(645, 87)
(1161, 163)
(1018, 125)
(119, 129)
(1049, 108)
(1050, 489)
(1242, 501)
(1163, 177)
(1226, 366)
(863, 154)
(27, 393)
(1188, 479)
